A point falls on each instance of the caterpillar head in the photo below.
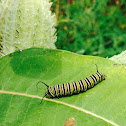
(48, 94)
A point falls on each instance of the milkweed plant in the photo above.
(25, 24)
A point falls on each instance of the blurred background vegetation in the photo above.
(91, 27)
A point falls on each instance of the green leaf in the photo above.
(105, 104)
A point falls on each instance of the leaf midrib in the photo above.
(59, 102)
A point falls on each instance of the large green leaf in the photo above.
(105, 104)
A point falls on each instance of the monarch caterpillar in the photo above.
(65, 89)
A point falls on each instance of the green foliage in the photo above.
(92, 27)
(102, 105)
